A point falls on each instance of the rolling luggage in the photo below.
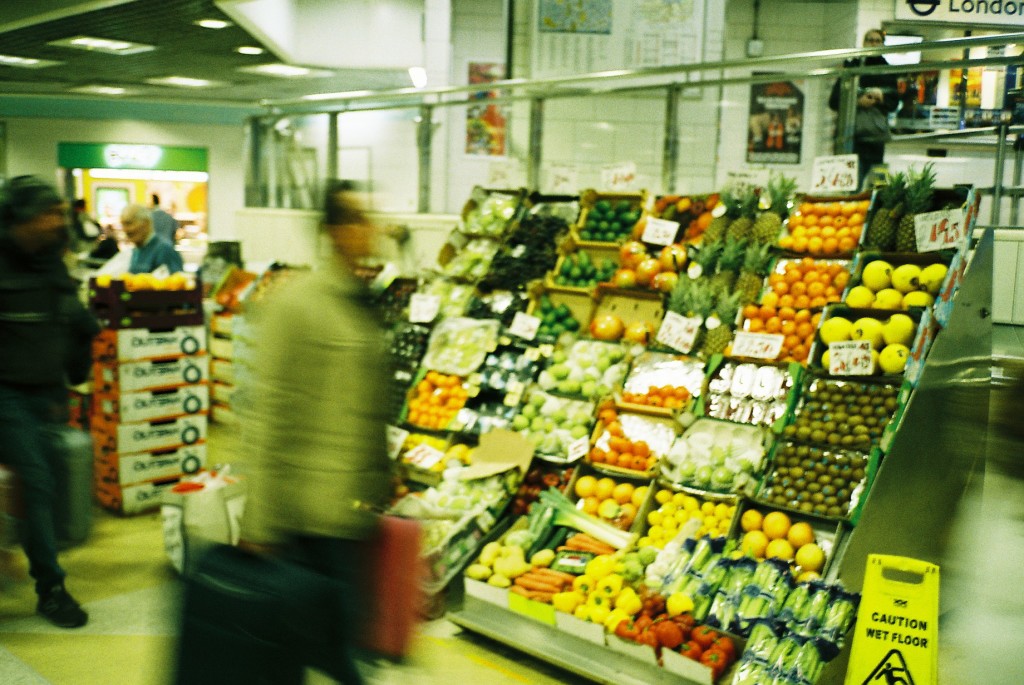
(397, 573)
(72, 513)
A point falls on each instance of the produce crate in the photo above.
(964, 197)
(133, 499)
(413, 413)
(596, 252)
(851, 210)
(152, 374)
(148, 436)
(589, 198)
(659, 370)
(640, 311)
(853, 315)
(117, 307)
(716, 456)
(151, 405)
(565, 207)
(827, 533)
(653, 428)
(134, 344)
(807, 295)
(483, 199)
(757, 393)
(841, 395)
(681, 497)
(692, 212)
(158, 465)
(580, 306)
(621, 522)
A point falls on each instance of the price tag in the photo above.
(524, 325)
(678, 332)
(465, 418)
(834, 174)
(396, 438)
(618, 176)
(423, 308)
(757, 345)
(564, 179)
(850, 358)
(739, 181)
(940, 230)
(424, 456)
(660, 231)
(578, 448)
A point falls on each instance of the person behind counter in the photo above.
(877, 96)
(151, 251)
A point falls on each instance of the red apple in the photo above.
(647, 270)
(639, 332)
(624, 278)
(672, 257)
(631, 253)
(665, 281)
(606, 327)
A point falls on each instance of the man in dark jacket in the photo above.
(877, 96)
(45, 341)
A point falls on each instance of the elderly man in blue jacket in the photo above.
(151, 251)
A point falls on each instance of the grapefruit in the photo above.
(779, 549)
(754, 544)
(776, 525)
(585, 486)
(751, 520)
(800, 534)
(810, 558)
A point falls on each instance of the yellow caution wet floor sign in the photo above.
(896, 638)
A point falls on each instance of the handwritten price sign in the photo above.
(678, 332)
(940, 230)
(618, 176)
(850, 358)
(423, 308)
(757, 345)
(660, 231)
(424, 456)
(834, 174)
(396, 438)
(564, 179)
(524, 325)
(741, 181)
(578, 448)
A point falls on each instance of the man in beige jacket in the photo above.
(317, 433)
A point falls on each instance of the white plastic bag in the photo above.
(201, 511)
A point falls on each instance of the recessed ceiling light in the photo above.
(284, 71)
(184, 82)
(213, 23)
(103, 90)
(249, 50)
(26, 62)
(93, 44)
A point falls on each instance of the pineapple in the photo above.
(881, 233)
(716, 229)
(769, 223)
(691, 299)
(744, 207)
(729, 262)
(756, 265)
(919, 196)
(718, 337)
(707, 257)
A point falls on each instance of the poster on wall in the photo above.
(485, 121)
(581, 36)
(775, 127)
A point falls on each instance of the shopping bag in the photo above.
(396, 576)
(199, 512)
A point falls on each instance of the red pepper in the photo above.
(643, 623)
(648, 637)
(691, 650)
(669, 634)
(714, 660)
(686, 622)
(627, 630)
(705, 636)
(725, 645)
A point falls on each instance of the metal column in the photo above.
(670, 151)
(1018, 167)
(997, 181)
(333, 170)
(535, 152)
(424, 135)
(847, 114)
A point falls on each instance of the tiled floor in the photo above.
(125, 582)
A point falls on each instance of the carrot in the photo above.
(530, 594)
(555, 575)
(585, 543)
(536, 585)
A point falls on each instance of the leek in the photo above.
(568, 515)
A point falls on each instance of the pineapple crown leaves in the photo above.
(708, 256)
(727, 307)
(920, 189)
(780, 190)
(890, 195)
(758, 259)
(732, 255)
(680, 300)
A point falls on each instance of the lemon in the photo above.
(679, 499)
(860, 297)
(682, 516)
(889, 298)
(711, 522)
(826, 359)
(754, 543)
(835, 329)
(867, 328)
(800, 534)
(932, 277)
(751, 520)
(656, 533)
(893, 358)
(898, 329)
(779, 549)
(654, 518)
(906, 277)
(877, 275)
(639, 495)
(668, 508)
(708, 508)
(662, 496)
(776, 525)
(691, 503)
(810, 557)
(918, 298)
(722, 511)
(645, 541)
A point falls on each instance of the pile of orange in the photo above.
(825, 228)
(621, 451)
(435, 400)
(796, 325)
(668, 396)
(806, 283)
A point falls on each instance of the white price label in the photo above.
(834, 174)
(850, 358)
(423, 308)
(740, 181)
(757, 345)
(564, 179)
(578, 448)
(678, 332)
(940, 230)
(660, 231)
(618, 176)
(424, 456)
(396, 437)
(524, 325)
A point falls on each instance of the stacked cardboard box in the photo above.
(151, 400)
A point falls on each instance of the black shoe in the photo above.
(61, 609)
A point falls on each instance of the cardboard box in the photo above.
(222, 392)
(585, 630)
(159, 465)
(640, 652)
(222, 348)
(113, 378)
(487, 593)
(693, 671)
(149, 405)
(149, 436)
(222, 370)
(131, 344)
(133, 499)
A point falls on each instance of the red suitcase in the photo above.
(396, 577)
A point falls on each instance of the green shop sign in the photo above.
(128, 156)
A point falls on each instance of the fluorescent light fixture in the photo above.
(103, 90)
(418, 76)
(249, 50)
(184, 82)
(26, 62)
(93, 44)
(903, 57)
(213, 23)
(150, 175)
(284, 71)
(336, 96)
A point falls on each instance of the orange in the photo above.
(797, 289)
(750, 311)
(623, 493)
(585, 486)
(800, 244)
(814, 245)
(754, 544)
(781, 288)
(806, 208)
(795, 220)
(801, 316)
(776, 525)
(791, 342)
(810, 220)
(779, 549)
(816, 289)
(767, 310)
(855, 219)
(839, 222)
(788, 328)
(818, 302)
(828, 232)
(751, 520)
(787, 313)
(755, 325)
(847, 244)
(799, 353)
(800, 534)
(773, 324)
(848, 208)
(830, 246)
(804, 329)
(825, 222)
(802, 302)
(786, 301)
(786, 242)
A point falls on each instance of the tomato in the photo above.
(627, 630)
(669, 634)
(704, 636)
(686, 622)
(691, 650)
(725, 645)
(648, 637)
(714, 660)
